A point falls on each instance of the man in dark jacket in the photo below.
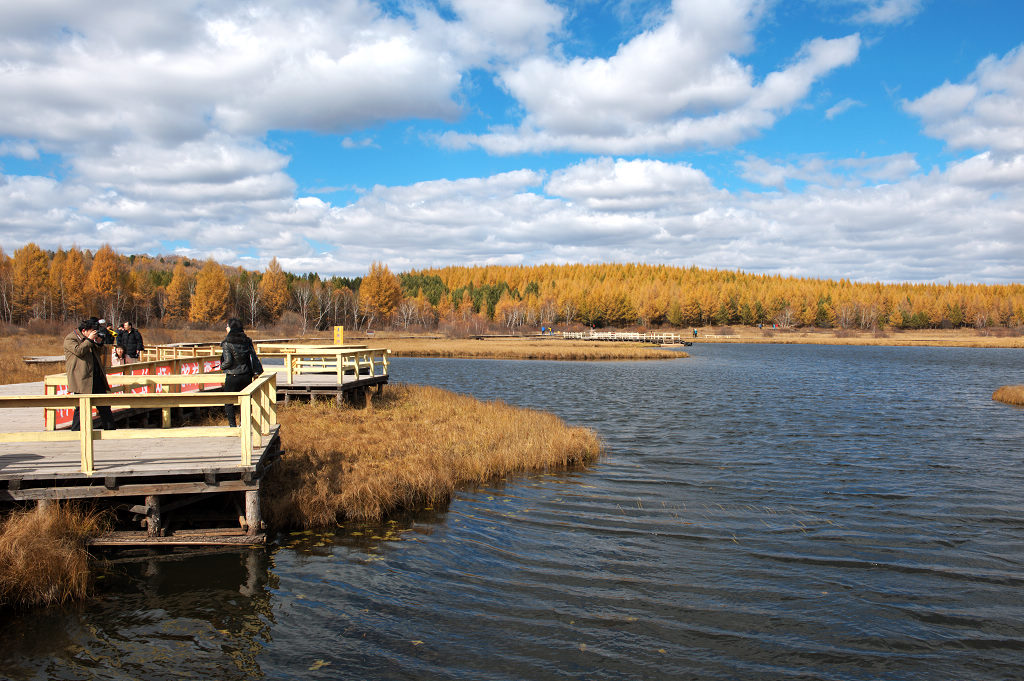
(131, 341)
(83, 355)
(239, 361)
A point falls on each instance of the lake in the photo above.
(763, 512)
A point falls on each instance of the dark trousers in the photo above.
(106, 418)
(232, 384)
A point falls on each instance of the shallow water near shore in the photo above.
(764, 512)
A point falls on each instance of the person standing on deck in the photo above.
(239, 361)
(83, 357)
(131, 340)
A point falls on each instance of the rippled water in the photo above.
(764, 512)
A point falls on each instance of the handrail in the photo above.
(257, 404)
(56, 384)
(339, 360)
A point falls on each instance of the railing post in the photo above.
(245, 428)
(85, 428)
(50, 414)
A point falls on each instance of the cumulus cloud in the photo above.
(986, 111)
(675, 86)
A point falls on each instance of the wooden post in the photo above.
(245, 429)
(85, 428)
(153, 521)
(252, 511)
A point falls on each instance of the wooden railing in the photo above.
(257, 406)
(57, 384)
(192, 350)
(329, 359)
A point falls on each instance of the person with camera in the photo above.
(83, 358)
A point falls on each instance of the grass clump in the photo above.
(43, 559)
(411, 450)
(1010, 394)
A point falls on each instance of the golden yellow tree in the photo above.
(178, 293)
(211, 296)
(108, 283)
(379, 294)
(72, 284)
(273, 290)
(29, 274)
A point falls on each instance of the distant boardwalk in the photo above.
(629, 337)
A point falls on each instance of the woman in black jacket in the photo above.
(239, 361)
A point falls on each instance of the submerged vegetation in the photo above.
(412, 449)
(43, 559)
(1010, 394)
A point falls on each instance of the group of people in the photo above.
(84, 355)
(125, 342)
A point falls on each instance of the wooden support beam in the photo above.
(252, 511)
(153, 527)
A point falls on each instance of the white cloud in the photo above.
(678, 85)
(842, 107)
(887, 11)
(961, 224)
(19, 149)
(818, 170)
(984, 112)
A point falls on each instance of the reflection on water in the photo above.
(763, 513)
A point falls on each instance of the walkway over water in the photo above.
(152, 454)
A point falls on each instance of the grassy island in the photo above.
(412, 449)
(1010, 394)
(521, 348)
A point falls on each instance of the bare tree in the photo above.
(302, 292)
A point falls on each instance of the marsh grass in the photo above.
(43, 559)
(524, 348)
(1010, 394)
(412, 449)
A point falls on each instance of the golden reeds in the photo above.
(411, 449)
(43, 559)
(1010, 394)
(524, 348)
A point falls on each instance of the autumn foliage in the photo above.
(62, 285)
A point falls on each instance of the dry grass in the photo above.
(411, 450)
(959, 338)
(520, 348)
(1010, 394)
(43, 559)
(13, 350)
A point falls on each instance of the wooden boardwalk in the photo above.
(154, 470)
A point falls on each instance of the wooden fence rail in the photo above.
(257, 404)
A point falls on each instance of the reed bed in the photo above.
(14, 349)
(524, 348)
(411, 450)
(1010, 394)
(43, 559)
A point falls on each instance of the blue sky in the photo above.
(865, 139)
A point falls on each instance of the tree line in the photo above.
(67, 284)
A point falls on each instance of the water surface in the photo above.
(764, 512)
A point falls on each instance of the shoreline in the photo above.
(958, 338)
